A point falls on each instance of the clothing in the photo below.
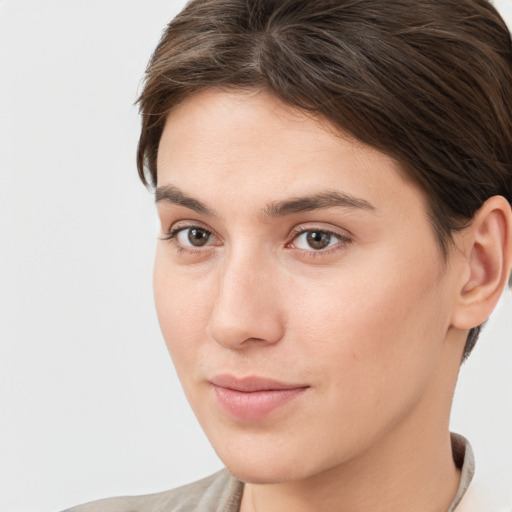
(222, 492)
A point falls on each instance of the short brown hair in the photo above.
(427, 82)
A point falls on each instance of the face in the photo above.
(298, 286)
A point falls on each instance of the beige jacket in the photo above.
(222, 492)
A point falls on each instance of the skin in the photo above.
(365, 323)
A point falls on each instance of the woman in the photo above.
(333, 181)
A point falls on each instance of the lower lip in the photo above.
(254, 405)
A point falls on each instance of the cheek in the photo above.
(374, 332)
(183, 305)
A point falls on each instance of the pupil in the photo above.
(318, 239)
(197, 237)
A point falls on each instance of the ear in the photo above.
(487, 250)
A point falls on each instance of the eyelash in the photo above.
(171, 237)
(342, 240)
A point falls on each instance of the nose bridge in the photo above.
(246, 307)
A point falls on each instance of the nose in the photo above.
(247, 308)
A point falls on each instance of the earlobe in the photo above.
(488, 259)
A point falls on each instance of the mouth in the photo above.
(253, 398)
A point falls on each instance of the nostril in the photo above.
(237, 331)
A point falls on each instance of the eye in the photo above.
(195, 236)
(317, 240)
(190, 236)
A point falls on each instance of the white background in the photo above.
(90, 404)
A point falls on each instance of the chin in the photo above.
(266, 462)
(261, 472)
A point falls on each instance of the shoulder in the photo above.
(220, 492)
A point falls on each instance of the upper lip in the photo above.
(252, 383)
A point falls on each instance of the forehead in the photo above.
(250, 142)
(242, 127)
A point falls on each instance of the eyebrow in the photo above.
(322, 200)
(173, 195)
(318, 201)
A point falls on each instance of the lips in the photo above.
(253, 398)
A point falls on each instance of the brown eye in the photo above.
(192, 236)
(198, 237)
(318, 239)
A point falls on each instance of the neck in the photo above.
(410, 468)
